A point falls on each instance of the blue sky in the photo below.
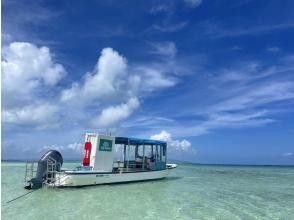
(215, 79)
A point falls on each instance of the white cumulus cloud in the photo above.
(28, 72)
(43, 115)
(104, 97)
(26, 66)
(113, 114)
(107, 80)
(113, 88)
(175, 146)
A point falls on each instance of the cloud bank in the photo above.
(30, 73)
(104, 97)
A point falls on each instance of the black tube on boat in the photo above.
(52, 156)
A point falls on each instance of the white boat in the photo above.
(141, 160)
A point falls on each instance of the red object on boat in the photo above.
(87, 148)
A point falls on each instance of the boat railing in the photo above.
(132, 166)
(57, 181)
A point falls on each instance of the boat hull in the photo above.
(70, 178)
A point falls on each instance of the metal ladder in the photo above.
(30, 171)
(51, 172)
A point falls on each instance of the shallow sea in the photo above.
(190, 192)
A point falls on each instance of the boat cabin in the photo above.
(136, 155)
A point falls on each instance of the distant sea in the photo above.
(191, 191)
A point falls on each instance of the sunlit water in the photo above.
(190, 192)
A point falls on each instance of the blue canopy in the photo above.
(138, 141)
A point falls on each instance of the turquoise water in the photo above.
(191, 192)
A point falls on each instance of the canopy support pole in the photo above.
(128, 161)
(161, 152)
(165, 153)
(125, 154)
(143, 162)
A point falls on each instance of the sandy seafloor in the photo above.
(190, 192)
